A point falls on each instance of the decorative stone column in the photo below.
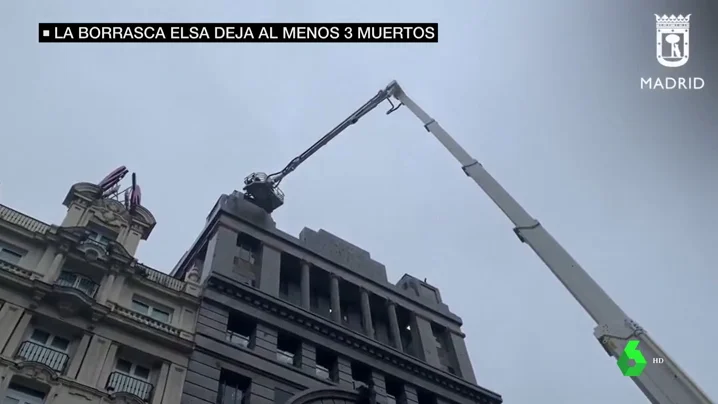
(305, 285)
(334, 295)
(54, 270)
(366, 313)
(394, 326)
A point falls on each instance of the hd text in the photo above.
(238, 32)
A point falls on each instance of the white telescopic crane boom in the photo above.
(662, 381)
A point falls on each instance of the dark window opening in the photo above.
(284, 289)
(350, 306)
(22, 393)
(394, 391)
(319, 296)
(289, 349)
(240, 330)
(361, 374)
(326, 367)
(249, 248)
(290, 274)
(10, 254)
(345, 308)
(101, 234)
(406, 333)
(380, 319)
(425, 397)
(233, 388)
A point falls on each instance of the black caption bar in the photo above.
(237, 32)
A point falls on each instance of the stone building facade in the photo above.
(81, 321)
(287, 320)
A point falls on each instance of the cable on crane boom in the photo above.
(263, 189)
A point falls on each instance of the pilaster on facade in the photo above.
(379, 383)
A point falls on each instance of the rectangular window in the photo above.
(132, 369)
(240, 330)
(233, 388)
(151, 310)
(289, 349)
(101, 234)
(249, 247)
(11, 254)
(18, 394)
(394, 391)
(130, 377)
(361, 374)
(46, 348)
(49, 340)
(326, 365)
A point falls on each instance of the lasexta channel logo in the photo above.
(631, 352)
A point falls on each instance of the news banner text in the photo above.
(239, 32)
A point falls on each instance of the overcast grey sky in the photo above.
(545, 94)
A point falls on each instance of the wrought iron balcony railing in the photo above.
(79, 282)
(122, 383)
(33, 352)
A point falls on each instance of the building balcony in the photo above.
(32, 352)
(161, 278)
(77, 282)
(122, 383)
(15, 269)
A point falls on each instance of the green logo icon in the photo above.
(631, 352)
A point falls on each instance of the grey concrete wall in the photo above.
(220, 252)
(344, 371)
(343, 253)
(309, 357)
(424, 341)
(462, 357)
(269, 276)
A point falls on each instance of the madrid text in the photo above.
(672, 83)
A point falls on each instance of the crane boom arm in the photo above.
(662, 381)
(382, 96)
